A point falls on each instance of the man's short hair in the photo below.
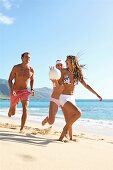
(24, 54)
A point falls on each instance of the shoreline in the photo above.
(14, 123)
(38, 148)
(95, 127)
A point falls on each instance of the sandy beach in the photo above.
(37, 148)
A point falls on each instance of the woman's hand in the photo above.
(100, 98)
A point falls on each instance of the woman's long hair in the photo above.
(77, 68)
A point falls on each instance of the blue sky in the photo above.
(53, 29)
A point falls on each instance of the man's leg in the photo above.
(12, 111)
(24, 115)
(14, 99)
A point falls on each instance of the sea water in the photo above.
(97, 117)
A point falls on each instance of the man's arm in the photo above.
(32, 83)
(11, 77)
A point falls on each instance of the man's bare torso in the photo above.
(21, 76)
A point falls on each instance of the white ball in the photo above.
(54, 74)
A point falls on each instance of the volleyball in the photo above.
(54, 74)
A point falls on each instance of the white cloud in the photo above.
(7, 4)
(6, 19)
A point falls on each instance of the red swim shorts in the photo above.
(19, 96)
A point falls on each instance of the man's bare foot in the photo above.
(21, 131)
(9, 114)
(11, 111)
(44, 121)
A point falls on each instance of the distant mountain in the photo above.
(4, 90)
(43, 93)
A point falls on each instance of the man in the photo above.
(21, 74)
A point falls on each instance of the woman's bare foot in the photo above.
(64, 134)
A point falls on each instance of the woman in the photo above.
(69, 78)
(54, 101)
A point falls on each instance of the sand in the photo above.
(38, 148)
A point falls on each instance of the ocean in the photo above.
(97, 117)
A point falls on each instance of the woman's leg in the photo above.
(73, 114)
(67, 116)
(53, 108)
